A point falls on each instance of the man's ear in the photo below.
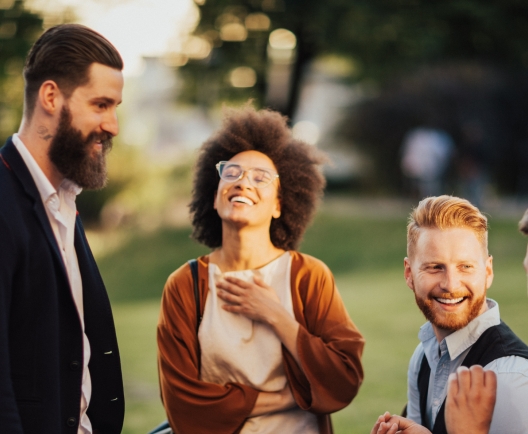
(407, 273)
(50, 97)
(489, 271)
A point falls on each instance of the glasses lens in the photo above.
(260, 177)
(230, 172)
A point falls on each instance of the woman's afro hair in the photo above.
(297, 163)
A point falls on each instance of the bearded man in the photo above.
(59, 361)
(449, 270)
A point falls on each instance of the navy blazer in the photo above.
(41, 344)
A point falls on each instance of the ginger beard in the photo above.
(450, 321)
(73, 155)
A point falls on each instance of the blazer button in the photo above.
(72, 421)
(75, 365)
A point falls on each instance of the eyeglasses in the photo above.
(258, 177)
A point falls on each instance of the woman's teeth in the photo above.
(242, 199)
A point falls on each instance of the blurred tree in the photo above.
(19, 28)
(384, 38)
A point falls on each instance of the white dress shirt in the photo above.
(61, 210)
(510, 415)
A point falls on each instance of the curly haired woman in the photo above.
(276, 351)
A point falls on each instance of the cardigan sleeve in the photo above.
(193, 406)
(329, 344)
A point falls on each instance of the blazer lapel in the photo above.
(84, 254)
(16, 164)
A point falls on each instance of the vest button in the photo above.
(74, 365)
(72, 421)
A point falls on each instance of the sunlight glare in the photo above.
(136, 27)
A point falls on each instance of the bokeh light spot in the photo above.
(243, 76)
(306, 131)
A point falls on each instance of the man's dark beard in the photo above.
(72, 154)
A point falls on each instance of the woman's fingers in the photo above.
(237, 282)
(380, 427)
(255, 300)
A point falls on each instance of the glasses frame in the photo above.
(219, 167)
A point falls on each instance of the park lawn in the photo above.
(366, 256)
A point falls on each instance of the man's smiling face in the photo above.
(88, 121)
(449, 272)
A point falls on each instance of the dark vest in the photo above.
(496, 342)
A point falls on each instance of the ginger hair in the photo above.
(446, 212)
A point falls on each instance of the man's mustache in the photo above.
(105, 138)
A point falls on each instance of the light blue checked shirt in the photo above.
(511, 409)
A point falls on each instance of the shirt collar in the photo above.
(70, 187)
(44, 186)
(459, 341)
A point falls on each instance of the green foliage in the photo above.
(440, 64)
(385, 37)
(139, 269)
(19, 28)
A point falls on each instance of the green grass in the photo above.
(365, 254)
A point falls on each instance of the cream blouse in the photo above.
(237, 349)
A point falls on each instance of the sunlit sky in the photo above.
(136, 27)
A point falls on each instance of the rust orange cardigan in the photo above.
(329, 345)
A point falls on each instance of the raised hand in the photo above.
(470, 400)
(255, 300)
(259, 302)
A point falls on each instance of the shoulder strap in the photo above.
(193, 263)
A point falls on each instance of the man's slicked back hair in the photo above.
(445, 212)
(297, 163)
(64, 54)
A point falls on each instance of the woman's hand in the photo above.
(471, 396)
(387, 424)
(256, 301)
(259, 302)
(271, 402)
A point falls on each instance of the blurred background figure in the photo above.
(473, 163)
(426, 155)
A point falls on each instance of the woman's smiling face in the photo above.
(240, 202)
